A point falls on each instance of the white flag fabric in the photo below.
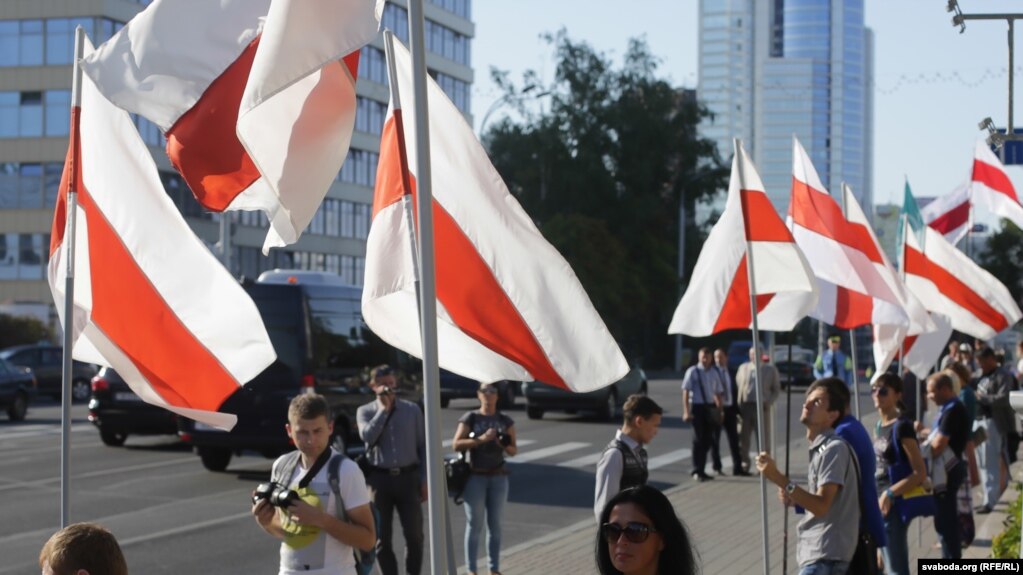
(950, 214)
(946, 281)
(718, 296)
(256, 97)
(992, 188)
(150, 300)
(509, 306)
(921, 352)
(857, 287)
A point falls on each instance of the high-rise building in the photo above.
(36, 50)
(771, 69)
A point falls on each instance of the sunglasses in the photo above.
(879, 391)
(634, 532)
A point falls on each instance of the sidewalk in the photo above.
(724, 520)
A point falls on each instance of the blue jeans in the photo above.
(825, 567)
(989, 458)
(896, 554)
(484, 501)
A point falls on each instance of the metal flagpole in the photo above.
(428, 294)
(759, 389)
(788, 438)
(69, 284)
(406, 204)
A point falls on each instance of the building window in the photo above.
(50, 42)
(24, 256)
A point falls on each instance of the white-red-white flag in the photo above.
(150, 300)
(718, 296)
(857, 287)
(256, 97)
(509, 306)
(992, 188)
(946, 281)
(950, 214)
(921, 352)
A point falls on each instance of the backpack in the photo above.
(364, 560)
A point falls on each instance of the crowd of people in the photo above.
(862, 490)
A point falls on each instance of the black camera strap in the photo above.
(320, 462)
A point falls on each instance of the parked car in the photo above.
(17, 388)
(800, 372)
(541, 398)
(118, 412)
(454, 386)
(315, 325)
(47, 363)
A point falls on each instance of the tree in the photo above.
(1004, 257)
(18, 330)
(602, 170)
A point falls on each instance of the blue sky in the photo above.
(933, 85)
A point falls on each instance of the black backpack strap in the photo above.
(284, 468)
(334, 477)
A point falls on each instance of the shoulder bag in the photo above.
(917, 502)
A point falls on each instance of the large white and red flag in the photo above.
(256, 97)
(856, 285)
(922, 351)
(950, 214)
(150, 300)
(718, 296)
(992, 188)
(948, 282)
(509, 306)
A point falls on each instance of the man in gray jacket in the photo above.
(993, 410)
(748, 402)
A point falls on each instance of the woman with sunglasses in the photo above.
(900, 467)
(488, 435)
(641, 535)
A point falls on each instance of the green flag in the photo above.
(910, 214)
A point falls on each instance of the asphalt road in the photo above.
(173, 516)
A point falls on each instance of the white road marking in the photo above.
(547, 451)
(668, 458)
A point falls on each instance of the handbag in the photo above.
(457, 471)
(917, 502)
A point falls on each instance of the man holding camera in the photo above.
(395, 437)
(308, 520)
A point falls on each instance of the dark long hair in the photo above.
(678, 556)
(894, 383)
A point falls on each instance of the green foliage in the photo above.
(1005, 545)
(1004, 257)
(602, 169)
(18, 330)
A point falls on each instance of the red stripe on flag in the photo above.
(955, 290)
(993, 178)
(735, 312)
(60, 210)
(952, 219)
(819, 213)
(130, 312)
(203, 144)
(907, 344)
(392, 169)
(759, 219)
(852, 309)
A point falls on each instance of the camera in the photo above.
(504, 439)
(275, 494)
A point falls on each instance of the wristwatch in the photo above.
(790, 487)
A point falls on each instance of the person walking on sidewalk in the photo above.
(394, 431)
(640, 534)
(748, 402)
(827, 534)
(729, 418)
(623, 463)
(996, 415)
(900, 468)
(944, 444)
(488, 435)
(702, 393)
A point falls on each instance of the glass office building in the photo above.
(773, 69)
(36, 49)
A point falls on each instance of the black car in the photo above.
(47, 363)
(605, 401)
(454, 386)
(322, 345)
(17, 388)
(118, 412)
(798, 372)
